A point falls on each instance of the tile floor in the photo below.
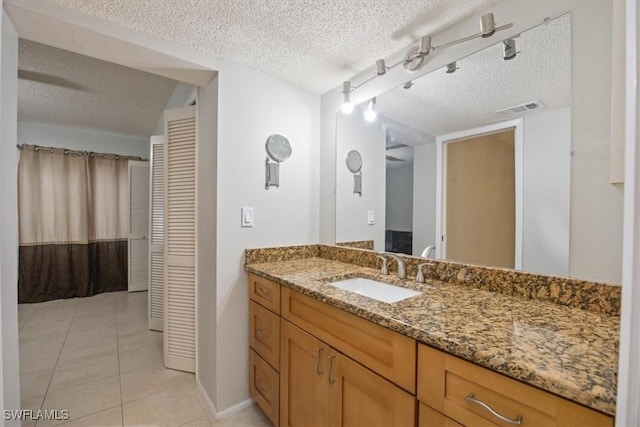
(97, 358)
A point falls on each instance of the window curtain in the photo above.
(73, 224)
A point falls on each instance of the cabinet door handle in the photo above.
(331, 370)
(260, 334)
(471, 399)
(318, 357)
(261, 291)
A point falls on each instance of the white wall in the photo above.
(180, 95)
(82, 139)
(399, 198)
(546, 192)
(252, 106)
(9, 378)
(355, 133)
(424, 197)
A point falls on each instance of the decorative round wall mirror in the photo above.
(278, 147)
(354, 161)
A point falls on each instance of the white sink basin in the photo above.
(376, 290)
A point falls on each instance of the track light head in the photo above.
(381, 68)
(425, 45)
(487, 25)
(509, 49)
(347, 106)
(452, 67)
(407, 85)
(370, 114)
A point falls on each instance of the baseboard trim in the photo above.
(212, 412)
(235, 409)
(209, 407)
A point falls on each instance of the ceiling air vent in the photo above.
(519, 109)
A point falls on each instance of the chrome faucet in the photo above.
(402, 267)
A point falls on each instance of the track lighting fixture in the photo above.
(452, 67)
(415, 58)
(347, 106)
(370, 114)
(509, 49)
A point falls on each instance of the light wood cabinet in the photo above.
(429, 417)
(304, 388)
(475, 396)
(321, 387)
(264, 333)
(264, 386)
(359, 397)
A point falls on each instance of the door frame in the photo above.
(441, 170)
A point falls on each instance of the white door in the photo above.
(180, 239)
(138, 247)
(156, 233)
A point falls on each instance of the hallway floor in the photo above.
(96, 358)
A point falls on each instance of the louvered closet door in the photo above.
(156, 233)
(180, 239)
(138, 244)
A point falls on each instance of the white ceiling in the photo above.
(441, 103)
(87, 92)
(314, 43)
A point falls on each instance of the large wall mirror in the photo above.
(471, 162)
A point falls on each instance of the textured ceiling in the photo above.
(441, 103)
(314, 43)
(87, 92)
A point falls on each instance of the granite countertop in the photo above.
(567, 351)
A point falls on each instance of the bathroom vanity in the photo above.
(454, 354)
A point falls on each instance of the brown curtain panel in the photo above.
(73, 224)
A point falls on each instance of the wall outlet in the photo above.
(371, 218)
(246, 217)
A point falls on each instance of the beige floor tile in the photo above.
(39, 353)
(249, 417)
(174, 406)
(138, 339)
(85, 399)
(34, 383)
(107, 418)
(34, 404)
(42, 327)
(200, 422)
(87, 350)
(74, 374)
(141, 357)
(90, 333)
(25, 313)
(144, 382)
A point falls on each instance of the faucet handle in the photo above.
(384, 270)
(420, 274)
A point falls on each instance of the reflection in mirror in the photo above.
(471, 162)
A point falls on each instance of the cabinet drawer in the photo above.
(469, 393)
(265, 292)
(264, 386)
(264, 334)
(429, 417)
(388, 353)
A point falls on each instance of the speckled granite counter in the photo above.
(564, 350)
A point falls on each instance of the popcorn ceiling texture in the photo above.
(105, 96)
(313, 43)
(564, 350)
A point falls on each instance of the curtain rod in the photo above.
(82, 153)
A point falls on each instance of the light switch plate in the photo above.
(246, 217)
(371, 218)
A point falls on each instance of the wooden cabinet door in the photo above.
(359, 397)
(303, 378)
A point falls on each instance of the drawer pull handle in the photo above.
(260, 334)
(472, 399)
(318, 371)
(261, 291)
(331, 370)
(260, 387)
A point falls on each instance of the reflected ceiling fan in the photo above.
(49, 79)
